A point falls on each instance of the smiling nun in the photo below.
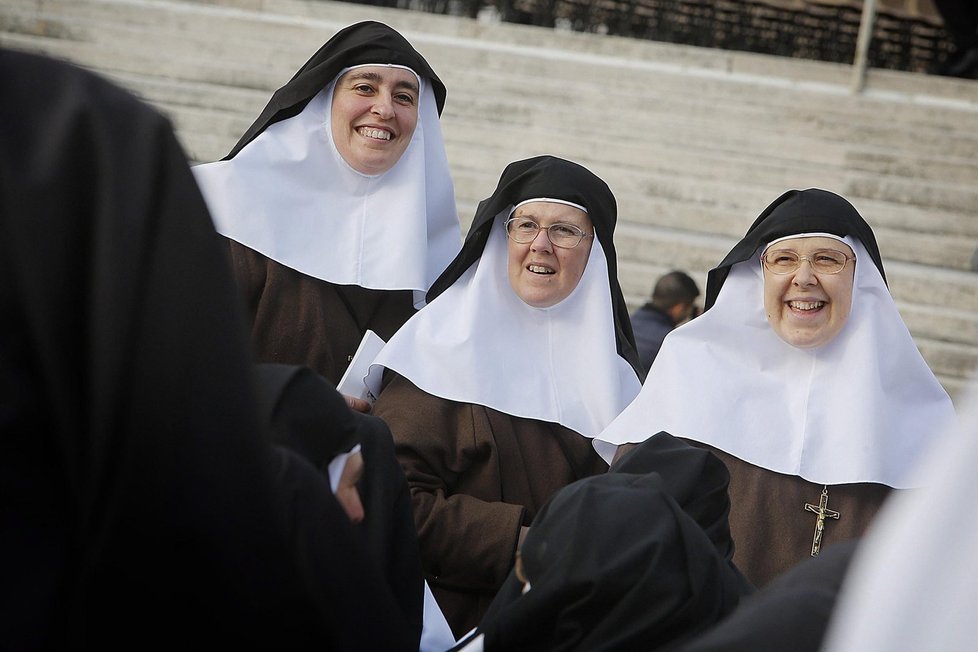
(523, 353)
(802, 377)
(337, 202)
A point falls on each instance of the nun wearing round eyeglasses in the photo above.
(802, 377)
(523, 353)
(337, 202)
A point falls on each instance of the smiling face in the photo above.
(543, 275)
(373, 116)
(806, 308)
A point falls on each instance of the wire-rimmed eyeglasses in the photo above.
(823, 261)
(566, 236)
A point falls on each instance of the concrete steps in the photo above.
(694, 142)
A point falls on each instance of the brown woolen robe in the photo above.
(298, 319)
(771, 529)
(476, 475)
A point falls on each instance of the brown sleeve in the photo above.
(250, 274)
(468, 537)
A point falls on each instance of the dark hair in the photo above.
(674, 288)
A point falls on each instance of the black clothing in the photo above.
(141, 504)
(791, 613)
(308, 416)
(698, 480)
(305, 413)
(388, 524)
(555, 178)
(650, 326)
(362, 43)
(794, 212)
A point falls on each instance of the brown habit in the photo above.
(771, 528)
(298, 319)
(476, 475)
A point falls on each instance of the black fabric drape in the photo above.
(791, 613)
(308, 416)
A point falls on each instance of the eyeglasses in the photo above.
(823, 261)
(524, 231)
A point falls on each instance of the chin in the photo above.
(807, 341)
(538, 302)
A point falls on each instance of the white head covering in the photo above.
(477, 342)
(860, 408)
(291, 196)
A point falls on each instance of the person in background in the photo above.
(673, 302)
(523, 352)
(802, 377)
(337, 203)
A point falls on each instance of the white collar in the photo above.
(477, 342)
(289, 195)
(861, 408)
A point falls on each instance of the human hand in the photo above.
(357, 404)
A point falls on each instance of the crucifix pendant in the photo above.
(822, 511)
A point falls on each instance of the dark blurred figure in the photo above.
(638, 558)
(356, 453)
(793, 612)
(961, 24)
(142, 505)
(673, 302)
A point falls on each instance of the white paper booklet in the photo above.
(358, 380)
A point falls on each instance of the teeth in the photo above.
(806, 305)
(374, 133)
(539, 269)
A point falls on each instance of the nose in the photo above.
(805, 274)
(542, 241)
(383, 106)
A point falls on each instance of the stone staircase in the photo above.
(694, 142)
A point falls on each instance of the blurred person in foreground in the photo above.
(141, 500)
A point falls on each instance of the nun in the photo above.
(337, 203)
(523, 353)
(802, 377)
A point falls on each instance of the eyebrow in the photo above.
(814, 251)
(376, 78)
(563, 220)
